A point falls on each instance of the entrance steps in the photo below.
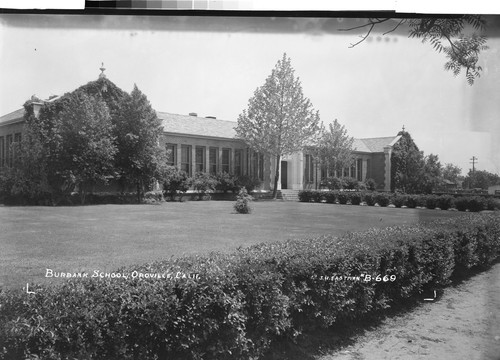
(289, 195)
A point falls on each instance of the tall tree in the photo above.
(451, 172)
(87, 145)
(333, 148)
(406, 165)
(140, 159)
(279, 120)
(431, 174)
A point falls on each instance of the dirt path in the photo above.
(463, 324)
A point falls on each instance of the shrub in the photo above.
(471, 203)
(239, 303)
(247, 182)
(370, 184)
(412, 201)
(305, 195)
(331, 196)
(175, 182)
(243, 200)
(492, 203)
(431, 201)
(382, 199)
(226, 182)
(355, 198)
(444, 202)
(318, 196)
(153, 197)
(350, 183)
(369, 198)
(204, 183)
(332, 183)
(342, 197)
(399, 200)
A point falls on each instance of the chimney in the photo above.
(193, 114)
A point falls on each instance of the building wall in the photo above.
(378, 169)
(9, 134)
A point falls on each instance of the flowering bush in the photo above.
(242, 204)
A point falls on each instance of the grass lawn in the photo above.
(105, 237)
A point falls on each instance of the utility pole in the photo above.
(473, 162)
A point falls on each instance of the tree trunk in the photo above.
(276, 176)
(138, 188)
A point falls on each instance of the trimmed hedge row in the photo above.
(443, 202)
(234, 306)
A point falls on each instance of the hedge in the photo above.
(370, 198)
(236, 305)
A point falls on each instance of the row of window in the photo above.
(254, 164)
(7, 150)
(355, 171)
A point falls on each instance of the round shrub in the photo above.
(331, 197)
(305, 195)
(382, 199)
(369, 198)
(342, 198)
(492, 203)
(461, 203)
(398, 200)
(332, 183)
(476, 203)
(411, 201)
(317, 196)
(355, 198)
(350, 183)
(431, 201)
(445, 202)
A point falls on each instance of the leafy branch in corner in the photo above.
(460, 39)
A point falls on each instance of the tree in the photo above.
(406, 165)
(333, 148)
(481, 179)
(431, 174)
(87, 142)
(451, 172)
(459, 38)
(140, 159)
(279, 120)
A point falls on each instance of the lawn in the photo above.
(105, 237)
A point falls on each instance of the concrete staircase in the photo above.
(288, 195)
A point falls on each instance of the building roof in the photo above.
(198, 126)
(12, 117)
(374, 144)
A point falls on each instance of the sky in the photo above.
(212, 65)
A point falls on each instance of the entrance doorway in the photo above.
(284, 175)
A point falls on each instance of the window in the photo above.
(225, 160)
(200, 159)
(324, 172)
(212, 160)
(309, 171)
(172, 154)
(368, 169)
(346, 172)
(238, 157)
(353, 170)
(2, 151)
(186, 159)
(17, 137)
(359, 169)
(8, 151)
